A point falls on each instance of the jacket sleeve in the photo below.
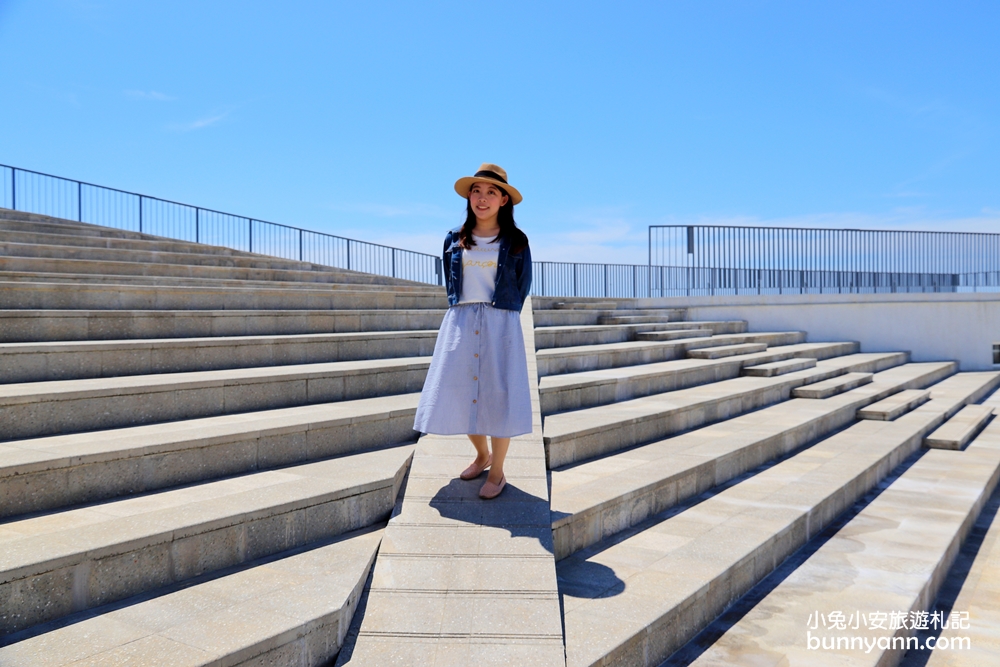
(524, 275)
(446, 262)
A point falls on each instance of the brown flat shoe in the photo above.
(491, 490)
(474, 471)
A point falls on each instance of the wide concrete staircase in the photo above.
(199, 447)
(712, 489)
(206, 458)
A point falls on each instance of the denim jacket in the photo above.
(513, 273)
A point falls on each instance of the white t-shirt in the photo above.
(479, 270)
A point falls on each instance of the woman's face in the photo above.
(486, 200)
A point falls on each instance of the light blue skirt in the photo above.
(477, 383)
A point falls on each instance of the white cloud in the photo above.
(152, 95)
(198, 124)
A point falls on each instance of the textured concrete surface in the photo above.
(960, 429)
(659, 586)
(890, 558)
(295, 610)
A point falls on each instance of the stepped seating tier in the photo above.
(89, 325)
(56, 564)
(575, 436)
(574, 391)
(38, 409)
(833, 386)
(896, 405)
(866, 567)
(632, 353)
(667, 581)
(960, 429)
(45, 362)
(99, 296)
(54, 471)
(593, 501)
(570, 336)
(290, 611)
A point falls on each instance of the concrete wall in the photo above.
(932, 327)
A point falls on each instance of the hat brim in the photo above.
(464, 184)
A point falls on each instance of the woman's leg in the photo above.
(482, 449)
(500, 446)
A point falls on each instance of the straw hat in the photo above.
(490, 173)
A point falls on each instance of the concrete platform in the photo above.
(833, 386)
(727, 351)
(894, 406)
(960, 429)
(778, 367)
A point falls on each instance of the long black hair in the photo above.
(505, 218)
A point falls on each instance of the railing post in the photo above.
(574, 278)
(300, 245)
(605, 281)
(250, 228)
(13, 188)
(197, 225)
(393, 262)
(439, 270)
(140, 214)
(348, 254)
(79, 201)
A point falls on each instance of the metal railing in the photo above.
(709, 259)
(36, 192)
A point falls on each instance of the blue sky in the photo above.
(356, 117)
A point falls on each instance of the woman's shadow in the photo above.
(524, 515)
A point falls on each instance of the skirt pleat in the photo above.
(478, 379)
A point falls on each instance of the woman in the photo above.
(477, 383)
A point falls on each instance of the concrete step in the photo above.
(960, 429)
(575, 436)
(61, 236)
(892, 407)
(869, 568)
(236, 259)
(55, 471)
(972, 587)
(584, 305)
(567, 317)
(595, 500)
(290, 611)
(727, 351)
(833, 386)
(85, 296)
(778, 367)
(34, 222)
(592, 334)
(159, 281)
(36, 409)
(575, 391)
(659, 586)
(635, 318)
(73, 360)
(673, 335)
(615, 355)
(57, 564)
(78, 325)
